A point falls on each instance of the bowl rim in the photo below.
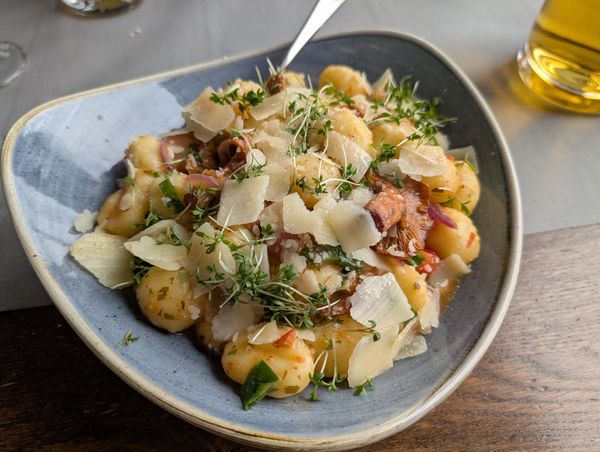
(203, 419)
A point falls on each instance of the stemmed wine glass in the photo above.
(12, 61)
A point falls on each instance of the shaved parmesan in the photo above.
(353, 226)
(422, 159)
(272, 215)
(346, 152)
(417, 346)
(325, 204)
(85, 221)
(379, 87)
(306, 335)
(159, 231)
(267, 333)
(361, 196)
(206, 118)
(391, 168)
(380, 299)
(405, 336)
(243, 202)
(307, 282)
(371, 358)
(275, 149)
(105, 257)
(297, 219)
(451, 268)
(199, 260)
(165, 256)
(279, 181)
(232, 319)
(467, 153)
(370, 257)
(429, 314)
(294, 259)
(261, 256)
(277, 104)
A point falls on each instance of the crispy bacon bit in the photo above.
(287, 340)
(275, 84)
(407, 235)
(232, 154)
(472, 237)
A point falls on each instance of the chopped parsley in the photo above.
(455, 203)
(415, 260)
(174, 201)
(128, 338)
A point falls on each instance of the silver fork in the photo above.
(320, 14)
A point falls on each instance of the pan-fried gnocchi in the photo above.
(297, 230)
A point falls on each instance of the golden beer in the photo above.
(561, 59)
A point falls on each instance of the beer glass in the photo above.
(561, 60)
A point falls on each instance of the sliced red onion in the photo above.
(436, 214)
(204, 179)
(164, 150)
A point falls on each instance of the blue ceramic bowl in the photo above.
(64, 157)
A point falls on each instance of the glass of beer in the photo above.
(561, 60)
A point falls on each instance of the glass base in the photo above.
(12, 62)
(554, 91)
(99, 7)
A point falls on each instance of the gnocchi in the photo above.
(463, 240)
(292, 364)
(295, 230)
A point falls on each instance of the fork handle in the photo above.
(320, 14)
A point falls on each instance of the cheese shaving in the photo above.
(422, 160)
(105, 257)
(347, 152)
(165, 256)
(206, 118)
(380, 299)
(297, 219)
(353, 226)
(371, 358)
(242, 203)
(232, 319)
(85, 221)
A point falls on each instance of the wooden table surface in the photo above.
(537, 388)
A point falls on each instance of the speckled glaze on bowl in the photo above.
(64, 156)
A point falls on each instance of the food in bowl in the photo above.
(308, 235)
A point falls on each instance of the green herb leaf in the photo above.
(415, 260)
(168, 189)
(139, 269)
(259, 382)
(128, 338)
(362, 389)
